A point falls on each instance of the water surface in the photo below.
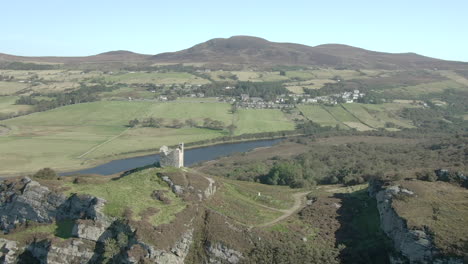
(192, 156)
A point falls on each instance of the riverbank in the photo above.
(91, 163)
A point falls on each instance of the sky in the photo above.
(83, 27)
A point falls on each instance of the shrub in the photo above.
(46, 173)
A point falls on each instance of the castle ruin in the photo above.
(172, 157)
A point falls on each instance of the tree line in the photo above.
(356, 163)
(207, 123)
(83, 94)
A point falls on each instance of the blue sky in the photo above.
(76, 28)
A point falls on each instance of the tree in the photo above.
(231, 128)
(133, 123)
(176, 123)
(190, 122)
(233, 108)
(207, 122)
(282, 73)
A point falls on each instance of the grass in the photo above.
(310, 84)
(442, 208)
(278, 197)
(416, 91)
(156, 78)
(9, 88)
(195, 110)
(262, 120)
(376, 116)
(56, 138)
(318, 114)
(359, 116)
(7, 105)
(239, 207)
(132, 191)
(26, 235)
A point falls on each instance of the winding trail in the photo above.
(298, 203)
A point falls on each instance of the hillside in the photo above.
(112, 56)
(95, 219)
(252, 50)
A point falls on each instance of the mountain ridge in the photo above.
(258, 51)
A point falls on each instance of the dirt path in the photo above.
(298, 198)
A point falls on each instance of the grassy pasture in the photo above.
(262, 120)
(9, 88)
(156, 78)
(7, 105)
(297, 87)
(359, 116)
(57, 138)
(318, 114)
(417, 90)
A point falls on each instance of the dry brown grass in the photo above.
(442, 208)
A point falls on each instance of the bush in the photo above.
(426, 175)
(46, 173)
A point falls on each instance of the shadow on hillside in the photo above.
(360, 230)
(125, 173)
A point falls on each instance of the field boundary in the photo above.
(103, 143)
(357, 117)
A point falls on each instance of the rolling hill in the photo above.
(247, 50)
(252, 50)
(112, 56)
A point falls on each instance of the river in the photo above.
(192, 156)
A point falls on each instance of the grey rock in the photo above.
(33, 203)
(8, 251)
(69, 251)
(176, 255)
(219, 253)
(414, 244)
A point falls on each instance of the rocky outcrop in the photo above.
(68, 251)
(177, 189)
(211, 189)
(27, 200)
(176, 255)
(415, 245)
(8, 251)
(91, 230)
(219, 253)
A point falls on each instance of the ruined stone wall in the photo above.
(172, 157)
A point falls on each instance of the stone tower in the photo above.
(172, 157)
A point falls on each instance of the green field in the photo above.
(9, 88)
(83, 135)
(359, 116)
(376, 116)
(318, 114)
(262, 120)
(417, 90)
(7, 105)
(156, 78)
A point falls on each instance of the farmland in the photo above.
(359, 116)
(83, 135)
(99, 130)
